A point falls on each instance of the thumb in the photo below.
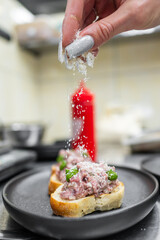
(106, 28)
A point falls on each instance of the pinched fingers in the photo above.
(73, 20)
(106, 28)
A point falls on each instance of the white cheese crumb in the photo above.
(79, 63)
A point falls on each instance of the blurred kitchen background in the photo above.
(35, 88)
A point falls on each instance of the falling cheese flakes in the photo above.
(80, 63)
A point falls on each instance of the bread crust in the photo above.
(53, 169)
(54, 183)
(83, 206)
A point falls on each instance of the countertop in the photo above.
(148, 228)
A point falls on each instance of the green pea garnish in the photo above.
(112, 175)
(60, 158)
(63, 165)
(67, 170)
(70, 173)
(85, 155)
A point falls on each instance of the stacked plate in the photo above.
(152, 166)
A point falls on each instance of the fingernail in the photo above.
(79, 46)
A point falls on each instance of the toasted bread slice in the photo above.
(53, 169)
(83, 206)
(54, 183)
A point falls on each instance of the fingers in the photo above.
(90, 18)
(106, 28)
(73, 20)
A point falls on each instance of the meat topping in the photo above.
(92, 178)
(72, 157)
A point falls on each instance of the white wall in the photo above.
(38, 89)
(19, 86)
(124, 71)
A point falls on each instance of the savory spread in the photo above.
(89, 178)
(68, 159)
(79, 186)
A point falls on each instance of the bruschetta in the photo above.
(89, 187)
(66, 159)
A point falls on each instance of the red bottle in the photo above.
(83, 120)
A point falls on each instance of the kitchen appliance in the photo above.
(148, 141)
(48, 152)
(15, 161)
(5, 147)
(21, 134)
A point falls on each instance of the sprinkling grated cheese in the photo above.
(80, 63)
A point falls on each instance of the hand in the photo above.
(115, 16)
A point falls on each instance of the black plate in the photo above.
(152, 166)
(26, 199)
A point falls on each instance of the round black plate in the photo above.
(152, 166)
(27, 201)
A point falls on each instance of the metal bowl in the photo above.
(21, 134)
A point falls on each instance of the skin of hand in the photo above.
(115, 16)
